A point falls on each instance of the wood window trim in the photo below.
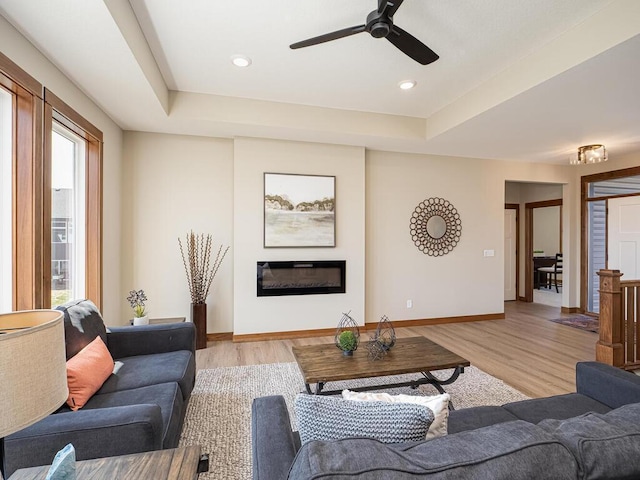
(26, 180)
(68, 117)
(18, 75)
(58, 111)
(528, 242)
(27, 202)
(585, 180)
(34, 110)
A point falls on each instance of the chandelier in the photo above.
(589, 154)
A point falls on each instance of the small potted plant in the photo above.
(136, 299)
(347, 342)
(347, 335)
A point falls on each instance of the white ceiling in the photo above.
(516, 80)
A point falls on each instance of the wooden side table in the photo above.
(171, 464)
(157, 321)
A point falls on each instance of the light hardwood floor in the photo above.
(525, 350)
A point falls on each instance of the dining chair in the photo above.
(551, 273)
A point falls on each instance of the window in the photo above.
(597, 251)
(67, 208)
(615, 187)
(73, 212)
(49, 241)
(6, 192)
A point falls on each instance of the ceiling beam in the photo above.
(127, 22)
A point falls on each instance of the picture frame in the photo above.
(299, 210)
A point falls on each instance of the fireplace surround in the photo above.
(301, 277)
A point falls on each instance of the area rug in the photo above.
(219, 412)
(583, 322)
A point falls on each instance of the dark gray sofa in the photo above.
(140, 407)
(593, 433)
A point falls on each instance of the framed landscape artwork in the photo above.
(299, 210)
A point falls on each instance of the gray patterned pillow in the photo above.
(82, 324)
(330, 418)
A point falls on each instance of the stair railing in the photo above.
(619, 337)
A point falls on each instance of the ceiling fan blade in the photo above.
(411, 46)
(394, 6)
(327, 37)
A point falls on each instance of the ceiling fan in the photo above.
(380, 25)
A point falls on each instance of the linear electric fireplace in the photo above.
(301, 278)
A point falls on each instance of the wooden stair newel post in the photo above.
(199, 319)
(609, 348)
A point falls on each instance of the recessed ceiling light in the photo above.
(241, 60)
(407, 84)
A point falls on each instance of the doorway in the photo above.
(610, 232)
(540, 205)
(543, 245)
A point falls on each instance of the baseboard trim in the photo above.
(259, 337)
(323, 332)
(570, 310)
(522, 299)
(217, 337)
(440, 321)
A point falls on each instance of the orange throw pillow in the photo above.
(87, 371)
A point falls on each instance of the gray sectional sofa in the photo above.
(591, 434)
(140, 407)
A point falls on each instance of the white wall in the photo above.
(174, 184)
(252, 158)
(25, 55)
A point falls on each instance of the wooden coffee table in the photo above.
(320, 364)
(184, 463)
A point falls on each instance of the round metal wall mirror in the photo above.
(435, 227)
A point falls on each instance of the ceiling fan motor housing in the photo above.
(378, 25)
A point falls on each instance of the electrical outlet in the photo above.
(489, 253)
(409, 303)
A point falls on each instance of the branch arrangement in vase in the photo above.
(197, 264)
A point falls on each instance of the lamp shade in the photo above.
(33, 375)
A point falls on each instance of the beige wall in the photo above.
(546, 230)
(272, 314)
(455, 284)
(174, 184)
(217, 185)
(463, 282)
(23, 53)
